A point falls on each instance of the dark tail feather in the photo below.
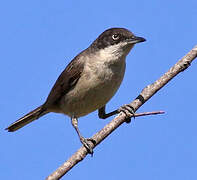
(33, 115)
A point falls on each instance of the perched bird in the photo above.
(89, 81)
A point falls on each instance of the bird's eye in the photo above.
(115, 37)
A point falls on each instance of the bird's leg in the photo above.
(83, 140)
(103, 115)
(127, 109)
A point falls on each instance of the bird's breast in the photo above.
(97, 85)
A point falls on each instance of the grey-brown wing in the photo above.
(67, 80)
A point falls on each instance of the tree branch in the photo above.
(146, 94)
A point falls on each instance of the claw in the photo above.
(92, 140)
(86, 144)
(129, 111)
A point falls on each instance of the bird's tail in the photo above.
(31, 116)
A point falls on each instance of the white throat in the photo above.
(115, 52)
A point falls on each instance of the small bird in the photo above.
(88, 82)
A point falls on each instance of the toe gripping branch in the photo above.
(128, 110)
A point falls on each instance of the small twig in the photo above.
(146, 94)
(149, 113)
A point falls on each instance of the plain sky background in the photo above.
(37, 41)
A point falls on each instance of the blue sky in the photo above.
(39, 38)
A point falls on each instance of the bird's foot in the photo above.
(87, 145)
(129, 112)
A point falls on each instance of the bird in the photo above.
(88, 82)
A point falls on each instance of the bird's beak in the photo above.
(135, 39)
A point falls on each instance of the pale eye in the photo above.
(115, 37)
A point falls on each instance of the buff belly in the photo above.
(92, 91)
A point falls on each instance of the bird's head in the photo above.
(117, 41)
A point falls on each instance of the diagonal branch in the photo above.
(146, 94)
